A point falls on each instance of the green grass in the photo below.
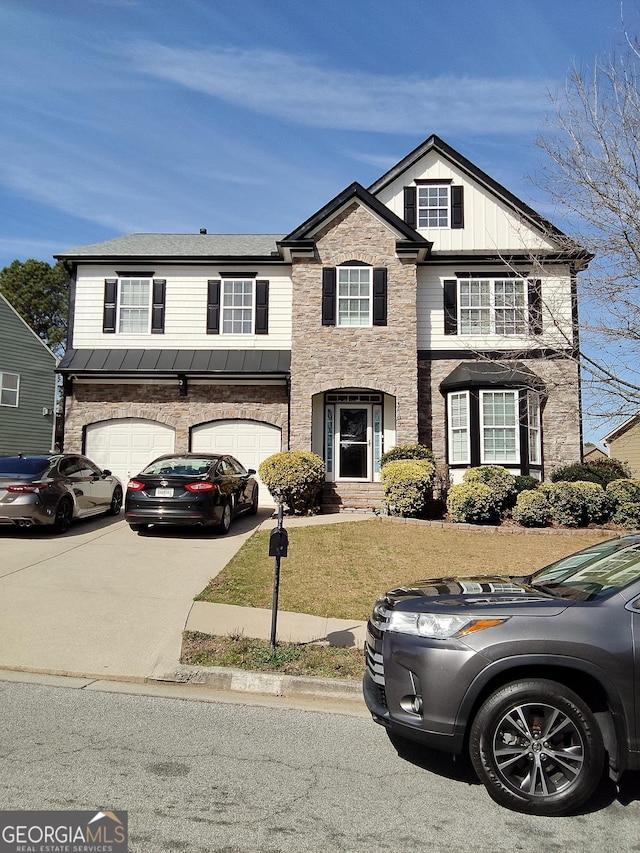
(339, 570)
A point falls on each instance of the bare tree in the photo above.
(593, 175)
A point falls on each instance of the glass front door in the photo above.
(354, 442)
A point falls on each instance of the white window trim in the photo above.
(446, 207)
(492, 307)
(15, 390)
(369, 322)
(224, 308)
(533, 398)
(119, 305)
(450, 428)
(517, 460)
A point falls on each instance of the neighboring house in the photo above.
(591, 452)
(432, 307)
(623, 444)
(27, 386)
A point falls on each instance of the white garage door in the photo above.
(249, 441)
(126, 445)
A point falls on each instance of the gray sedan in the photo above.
(52, 489)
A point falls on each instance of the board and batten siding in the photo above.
(24, 428)
(185, 309)
(556, 314)
(489, 223)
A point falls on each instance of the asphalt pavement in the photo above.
(104, 602)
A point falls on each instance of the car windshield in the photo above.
(180, 465)
(23, 467)
(593, 573)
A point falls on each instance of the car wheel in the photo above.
(253, 509)
(225, 522)
(537, 748)
(64, 516)
(116, 502)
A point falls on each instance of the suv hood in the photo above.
(482, 591)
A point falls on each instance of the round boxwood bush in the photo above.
(576, 503)
(407, 451)
(294, 478)
(526, 483)
(408, 484)
(601, 471)
(473, 503)
(500, 481)
(532, 508)
(624, 496)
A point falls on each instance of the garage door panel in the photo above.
(250, 442)
(126, 445)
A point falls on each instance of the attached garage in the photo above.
(126, 445)
(249, 441)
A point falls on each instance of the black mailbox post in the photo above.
(278, 547)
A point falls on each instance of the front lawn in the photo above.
(339, 570)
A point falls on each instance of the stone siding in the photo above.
(90, 404)
(382, 358)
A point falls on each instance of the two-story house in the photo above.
(27, 386)
(432, 307)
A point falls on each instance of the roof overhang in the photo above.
(503, 374)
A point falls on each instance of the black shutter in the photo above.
(262, 307)
(457, 207)
(157, 306)
(535, 307)
(329, 296)
(380, 296)
(213, 307)
(410, 203)
(451, 307)
(110, 296)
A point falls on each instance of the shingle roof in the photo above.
(159, 246)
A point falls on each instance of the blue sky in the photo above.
(248, 115)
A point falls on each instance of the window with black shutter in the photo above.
(157, 306)
(213, 307)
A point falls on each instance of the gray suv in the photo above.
(538, 677)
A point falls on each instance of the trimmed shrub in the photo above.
(473, 503)
(294, 478)
(499, 480)
(601, 471)
(407, 485)
(407, 451)
(576, 503)
(532, 508)
(624, 496)
(525, 483)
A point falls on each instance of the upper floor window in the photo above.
(354, 296)
(134, 304)
(492, 306)
(237, 306)
(433, 207)
(9, 387)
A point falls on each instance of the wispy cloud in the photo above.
(292, 88)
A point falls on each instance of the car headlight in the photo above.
(436, 626)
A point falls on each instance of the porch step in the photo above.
(352, 497)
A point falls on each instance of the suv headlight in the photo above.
(435, 625)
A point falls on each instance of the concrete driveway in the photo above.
(104, 601)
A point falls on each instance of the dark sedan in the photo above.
(536, 676)
(191, 489)
(52, 489)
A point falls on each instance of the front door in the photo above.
(354, 442)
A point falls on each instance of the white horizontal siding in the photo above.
(556, 311)
(489, 224)
(185, 310)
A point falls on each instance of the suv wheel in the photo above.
(537, 748)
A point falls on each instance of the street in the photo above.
(200, 775)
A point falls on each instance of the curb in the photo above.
(268, 683)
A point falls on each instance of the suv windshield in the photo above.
(593, 573)
(18, 466)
